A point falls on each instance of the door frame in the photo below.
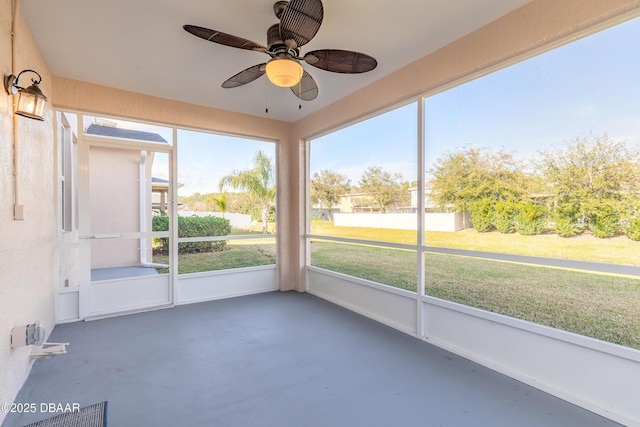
(89, 288)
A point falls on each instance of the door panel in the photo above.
(127, 188)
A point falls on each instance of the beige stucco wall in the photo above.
(114, 176)
(27, 248)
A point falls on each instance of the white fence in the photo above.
(235, 219)
(452, 221)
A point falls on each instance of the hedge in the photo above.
(633, 229)
(194, 226)
(482, 215)
(567, 217)
(506, 211)
(530, 219)
(603, 218)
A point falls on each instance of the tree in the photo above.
(219, 203)
(259, 181)
(469, 175)
(194, 201)
(326, 188)
(385, 188)
(600, 177)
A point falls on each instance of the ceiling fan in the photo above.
(299, 23)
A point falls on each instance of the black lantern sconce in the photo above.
(31, 99)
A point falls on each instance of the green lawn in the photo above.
(599, 306)
(617, 250)
(236, 254)
(393, 267)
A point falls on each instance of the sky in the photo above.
(587, 87)
(387, 140)
(204, 158)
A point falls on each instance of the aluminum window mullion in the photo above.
(219, 238)
(380, 243)
(420, 283)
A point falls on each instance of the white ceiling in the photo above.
(140, 46)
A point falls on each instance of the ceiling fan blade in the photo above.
(301, 20)
(223, 38)
(244, 76)
(341, 61)
(307, 89)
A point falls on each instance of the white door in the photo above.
(124, 262)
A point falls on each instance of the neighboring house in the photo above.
(122, 201)
(429, 204)
(358, 203)
(110, 130)
(402, 218)
(160, 194)
(364, 202)
(319, 212)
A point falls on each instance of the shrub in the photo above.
(505, 213)
(566, 227)
(566, 218)
(603, 219)
(160, 223)
(482, 215)
(605, 226)
(633, 228)
(530, 219)
(194, 226)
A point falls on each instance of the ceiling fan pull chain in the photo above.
(266, 97)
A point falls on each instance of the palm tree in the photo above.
(259, 181)
(219, 202)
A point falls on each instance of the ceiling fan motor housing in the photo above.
(273, 36)
(278, 8)
(275, 43)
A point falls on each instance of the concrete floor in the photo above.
(277, 359)
(121, 272)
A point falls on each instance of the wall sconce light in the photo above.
(31, 99)
(284, 72)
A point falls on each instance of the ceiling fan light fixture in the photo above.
(284, 72)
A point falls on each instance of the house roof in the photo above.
(161, 183)
(115, 132)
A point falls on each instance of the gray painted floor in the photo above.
(121, 272)
(278, 359)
